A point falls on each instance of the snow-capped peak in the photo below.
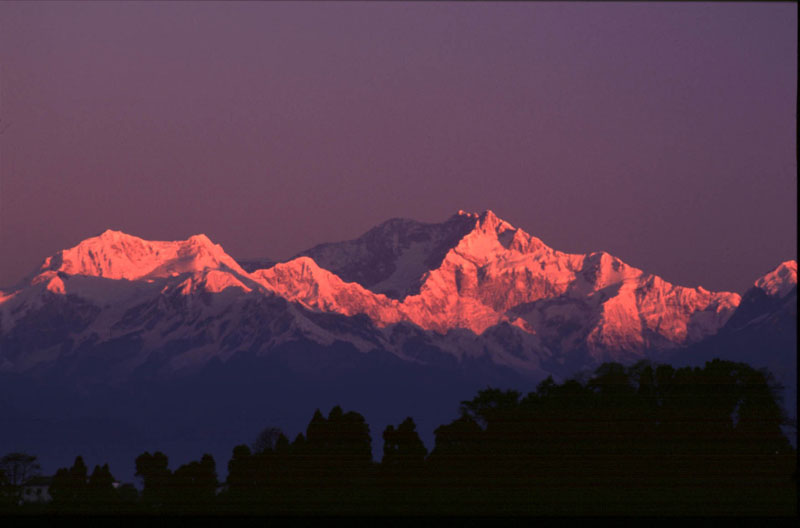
(779, 281)
(472, 271)
(302, 280)
(492, 236)
(112, 235)
(486, 220)
(489, 219)
(117, 255)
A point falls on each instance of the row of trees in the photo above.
(641, 439)
(73, 489)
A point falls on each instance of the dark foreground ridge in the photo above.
(641, 440)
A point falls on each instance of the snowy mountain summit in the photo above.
(116, 255)
(472, 286)
(780, 281)
(476, 270)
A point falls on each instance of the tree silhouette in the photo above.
(194, 485)
(8, 495)
(339, 447)
(18, 468)
(102, 497)
(644, 438)
(492, 406)
(15, 470)
(403, 451)
(69, 487)
(155, 474)
(458, 449)
(241, 473)
(267, 440)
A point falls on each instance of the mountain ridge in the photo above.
(473, 272)
(176, 342)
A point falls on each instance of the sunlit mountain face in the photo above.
(473, 272)
(422, 309)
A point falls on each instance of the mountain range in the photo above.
(433, 310)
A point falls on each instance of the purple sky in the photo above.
(664, 134)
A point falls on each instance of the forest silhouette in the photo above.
(646, 439)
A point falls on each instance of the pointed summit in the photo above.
(490, 222)
(780, 281)
(486, 220)
(489, 217)
(301, 280)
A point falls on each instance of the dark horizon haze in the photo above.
(664, 134)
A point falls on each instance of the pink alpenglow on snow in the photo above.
(779, 281)
(488, 273)
(116, 255)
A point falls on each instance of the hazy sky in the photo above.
(664, 134)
